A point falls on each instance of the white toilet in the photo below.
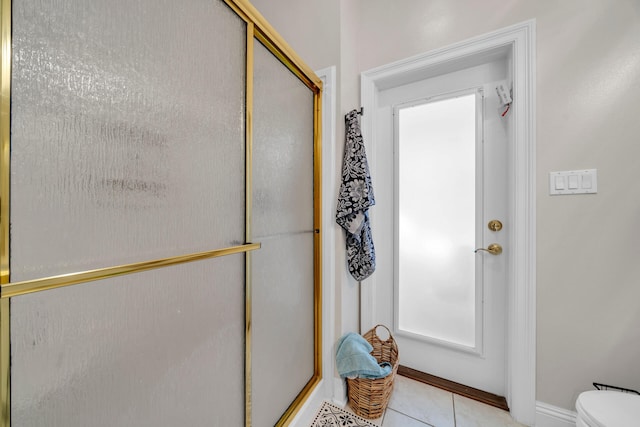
(599, 408)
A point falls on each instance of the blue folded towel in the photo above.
(353, 359)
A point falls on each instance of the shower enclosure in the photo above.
(160, 217)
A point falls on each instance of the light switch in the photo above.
(573, 182)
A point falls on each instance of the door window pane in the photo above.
(436, 219)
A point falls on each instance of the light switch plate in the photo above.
(584, 181)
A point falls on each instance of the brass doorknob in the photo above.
(493, 249)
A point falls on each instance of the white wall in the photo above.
(588, 110)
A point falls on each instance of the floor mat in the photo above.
(330, 415)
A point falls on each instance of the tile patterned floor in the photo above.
(414, 404)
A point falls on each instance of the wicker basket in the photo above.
(368, 398)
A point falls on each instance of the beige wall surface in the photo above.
(588, 116)
(310, 27)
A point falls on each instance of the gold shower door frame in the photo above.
(257, 28)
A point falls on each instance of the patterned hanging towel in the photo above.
(354, 200)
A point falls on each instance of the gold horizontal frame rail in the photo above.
(10, 290)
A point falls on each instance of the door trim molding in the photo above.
(328, 77)
(519, 41)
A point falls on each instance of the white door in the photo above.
(440, 178)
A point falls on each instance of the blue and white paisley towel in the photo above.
(354, 200)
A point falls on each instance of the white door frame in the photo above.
(519, 40)
(329, 200)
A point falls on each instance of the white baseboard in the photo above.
(552, 416)
(339, 392)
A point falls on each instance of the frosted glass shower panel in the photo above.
(158, 348)
(283, 324)
(282, 148)
(283, 269)
(127, 132)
